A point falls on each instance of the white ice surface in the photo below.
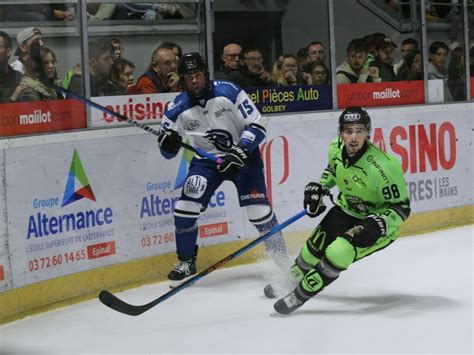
(413, 297)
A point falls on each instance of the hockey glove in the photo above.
(373, 228)
(313, 199)
(234, 161)
(169, 140)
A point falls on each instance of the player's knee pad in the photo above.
(340, 253)
(307, 257)
(187, 209)
(299, 269)
(185, 216)
(260, 216)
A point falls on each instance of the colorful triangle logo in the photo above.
(77, 177)
(183, 168)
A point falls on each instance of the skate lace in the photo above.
(291, 300)
(183, 267)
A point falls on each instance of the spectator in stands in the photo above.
(147, 11)
(319, 73)
(284, 70)
(37, 13)
(353, 71)
(117, 48)
(457, 75)
(412, 67)
(408, 44)
(384, 56)
(455, 17)
(302, 59)
(100, 62)
(41, 75)
(316, 52)
(24, 39)
(370, 41)
(161, 75)
(97, 12)
(121, 75)
(230, 61)
(251, 73)
(175, 48)
(9, 78)
(438, 53)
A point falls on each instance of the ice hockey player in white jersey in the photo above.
(219, 118)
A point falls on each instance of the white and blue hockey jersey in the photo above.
(223, 117)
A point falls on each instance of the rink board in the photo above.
(130, 189)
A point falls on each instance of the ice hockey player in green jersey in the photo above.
(371, 206)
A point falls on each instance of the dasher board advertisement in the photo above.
(41, 116)
(86, 204)
(147, 108)
(381, 94)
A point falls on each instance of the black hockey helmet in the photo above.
(354, 114)
(193, 63)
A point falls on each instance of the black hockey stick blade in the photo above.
(118, 305)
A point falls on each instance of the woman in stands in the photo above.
(412, 67)
(41, 75)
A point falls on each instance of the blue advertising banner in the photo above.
(281, 99)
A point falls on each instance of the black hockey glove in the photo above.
(169, 140)
(234, 161)
(313, 199)
(373, 228)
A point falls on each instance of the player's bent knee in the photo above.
(259, 214)
(190, 209)
(340, 253)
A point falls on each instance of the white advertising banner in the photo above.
(434, 147)
(148, 108)
(88, 203)
(81, 205)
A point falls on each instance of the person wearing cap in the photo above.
(9, 78)
(371, 205)
(384, 57)
(24, 39)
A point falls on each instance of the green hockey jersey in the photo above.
(371, 182)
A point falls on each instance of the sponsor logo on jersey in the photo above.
(253, 195)
(195, 186)
(372, 161)
(192, 125)
(222, 111)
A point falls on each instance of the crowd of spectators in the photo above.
(370, 59)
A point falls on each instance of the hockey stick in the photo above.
(134, 123)
(118, 305)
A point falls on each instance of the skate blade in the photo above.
(176, 283)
